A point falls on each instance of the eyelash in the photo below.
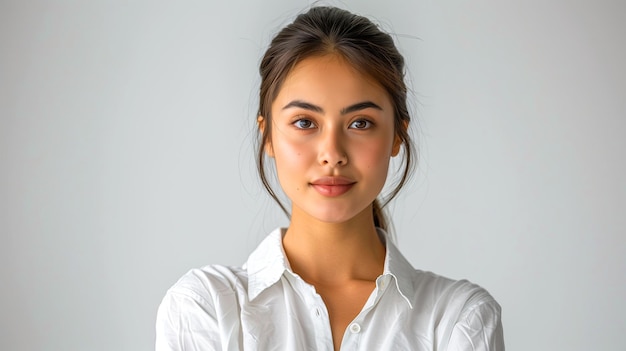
(368, 124)
(311, 124)
(298, 121)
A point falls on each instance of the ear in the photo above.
(261, 123)
(397, 141)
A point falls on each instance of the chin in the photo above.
(336, 216)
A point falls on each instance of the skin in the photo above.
(333, 124)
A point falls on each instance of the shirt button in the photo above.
(355, 328)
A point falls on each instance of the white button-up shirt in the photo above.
(264, 305)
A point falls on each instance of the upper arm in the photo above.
(200, 312)
(479, 329)
(186, 321)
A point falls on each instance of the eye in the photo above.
(361, 124)
(304, 123)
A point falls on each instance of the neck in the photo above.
(331, 253)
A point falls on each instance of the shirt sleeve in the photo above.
(186, 321)
(479, 329)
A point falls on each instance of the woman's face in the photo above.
(332, 138)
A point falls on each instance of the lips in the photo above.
(333, 186)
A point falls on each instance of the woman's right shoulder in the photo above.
(209, 281)
(191, 315)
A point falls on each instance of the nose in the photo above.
(332, 151)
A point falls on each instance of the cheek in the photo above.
(375, 154)
(290, 156)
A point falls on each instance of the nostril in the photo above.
(333, 161)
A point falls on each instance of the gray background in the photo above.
(126, 133)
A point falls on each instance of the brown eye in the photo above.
(361, 124)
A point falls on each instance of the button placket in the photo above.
(317, 312)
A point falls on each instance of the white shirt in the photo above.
(264, 305)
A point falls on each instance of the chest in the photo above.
(343, 304)
(287, 317)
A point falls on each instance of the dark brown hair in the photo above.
(330, 30)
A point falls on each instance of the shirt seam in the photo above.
(191, 294)
(472, 309)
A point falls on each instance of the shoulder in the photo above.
(201, 292)
(442, 293)
(449, 289)
(465, 313)
(458, 314)
(203, 284)
(191, 315)
(430, 290)
(206, 284)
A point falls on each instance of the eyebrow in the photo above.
(360, 106)
(352, 108)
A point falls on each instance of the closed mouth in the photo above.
(333, 181)
(333, 186)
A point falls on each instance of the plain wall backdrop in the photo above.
(127, 158)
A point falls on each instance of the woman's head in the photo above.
(357, 41)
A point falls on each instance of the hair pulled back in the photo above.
(330, 30)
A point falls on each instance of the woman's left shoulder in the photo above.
(466, 314)
(462, 294)
(434, 291)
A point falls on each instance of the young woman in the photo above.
(332, 114)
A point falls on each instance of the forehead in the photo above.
(330, 79)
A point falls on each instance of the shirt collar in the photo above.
(267, 263)
(397, 266)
